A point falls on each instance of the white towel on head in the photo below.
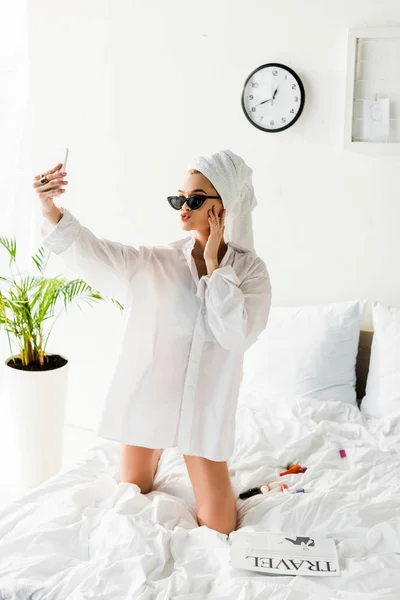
(232, 179)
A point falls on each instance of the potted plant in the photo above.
(34, 383)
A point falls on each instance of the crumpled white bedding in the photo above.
(81, 535)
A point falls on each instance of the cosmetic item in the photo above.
(342, 453)
(274, 484)
(264, 489)
(291, 464)
(294, 469)
(277, 490)
(251, 492)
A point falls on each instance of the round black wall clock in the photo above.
(273, 97)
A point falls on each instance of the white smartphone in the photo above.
(64, 165)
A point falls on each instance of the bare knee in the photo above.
(138, 465)
(142, 481)
(221, 517)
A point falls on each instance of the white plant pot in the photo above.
(32, 424)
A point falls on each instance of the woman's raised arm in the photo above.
(105, 265)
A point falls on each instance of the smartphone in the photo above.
(64, 165)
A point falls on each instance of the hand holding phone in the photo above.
(54, 186)
(64, 165)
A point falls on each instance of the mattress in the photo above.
(82, 535)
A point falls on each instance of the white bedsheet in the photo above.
(81, 535)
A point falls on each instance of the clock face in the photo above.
(273, 97)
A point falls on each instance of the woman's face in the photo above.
(199, 184)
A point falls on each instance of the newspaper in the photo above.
(284, 554)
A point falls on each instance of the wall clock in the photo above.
(273, 97)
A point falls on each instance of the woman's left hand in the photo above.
(217, 226)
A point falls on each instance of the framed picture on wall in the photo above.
(372, 108)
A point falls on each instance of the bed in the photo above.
(82, 535)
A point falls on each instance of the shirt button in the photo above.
(203, 310)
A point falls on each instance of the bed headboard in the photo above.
(362, 362)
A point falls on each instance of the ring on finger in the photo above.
(43, 179)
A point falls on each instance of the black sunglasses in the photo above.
(194, 202)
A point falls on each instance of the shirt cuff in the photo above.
(227, 273)
(59, 237)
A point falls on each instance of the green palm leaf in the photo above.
(31, 301)
(11, 246)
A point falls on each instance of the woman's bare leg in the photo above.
(215, 500)
(138, 465)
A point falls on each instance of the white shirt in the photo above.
(177, 378)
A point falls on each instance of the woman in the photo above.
(192, 309)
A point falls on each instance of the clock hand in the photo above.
(264, 101)
(273, 97)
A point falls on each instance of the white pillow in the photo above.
(308, 350)
(382, 392)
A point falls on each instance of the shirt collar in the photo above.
(183, 242)
(186, 244)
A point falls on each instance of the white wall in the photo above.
(136, 88)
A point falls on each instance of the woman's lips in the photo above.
(185, 217)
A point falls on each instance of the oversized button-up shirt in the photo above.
(177, 378)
